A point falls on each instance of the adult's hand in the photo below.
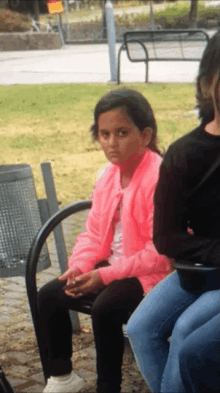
(85, 283)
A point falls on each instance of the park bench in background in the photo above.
(162, 45)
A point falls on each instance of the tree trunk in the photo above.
(104, 23)
(193, 14)
(35, 9)
(152, 19)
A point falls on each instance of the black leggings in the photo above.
(110, 310)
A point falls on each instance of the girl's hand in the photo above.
(70, 275)
(190, 231)
(84, 284)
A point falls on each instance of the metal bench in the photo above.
(162, 45)
(67, 219)
(71, 226)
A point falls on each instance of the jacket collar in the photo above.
(145, 162)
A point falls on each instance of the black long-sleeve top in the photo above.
(178, 205)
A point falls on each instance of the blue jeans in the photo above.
(187, 325)
(152, 324)
(199, 358)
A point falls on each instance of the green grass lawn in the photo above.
(52, 122)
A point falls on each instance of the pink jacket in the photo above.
(140, 258)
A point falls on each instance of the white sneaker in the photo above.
(69, 384)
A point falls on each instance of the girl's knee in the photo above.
(42, 294)
(48, 294)
(43, 298)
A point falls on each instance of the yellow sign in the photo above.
(55, 7)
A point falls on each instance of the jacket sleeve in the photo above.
(171, 219)
(87, 247)
(144, 262)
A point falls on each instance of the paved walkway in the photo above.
(21, 364)
(18, 351)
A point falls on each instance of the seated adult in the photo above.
(186, 196)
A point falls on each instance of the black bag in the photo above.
(197, 276)
(5, 386)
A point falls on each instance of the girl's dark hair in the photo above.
(208, 70)
(137, 108)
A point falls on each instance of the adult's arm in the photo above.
(171, 218)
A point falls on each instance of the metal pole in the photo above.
(36, 10)
(61, 30)
(58, 232)
(53, 208)
(111, 39)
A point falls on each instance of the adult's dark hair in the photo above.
(207, 91)
(136, 106)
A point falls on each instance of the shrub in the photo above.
(14, 21)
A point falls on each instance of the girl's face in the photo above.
(119, 137)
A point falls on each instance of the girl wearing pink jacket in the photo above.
(114, 262)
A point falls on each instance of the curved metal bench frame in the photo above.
(125, 47)
(31, 270)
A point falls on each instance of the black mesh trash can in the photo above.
(19, 220)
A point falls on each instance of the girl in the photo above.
(187, 196)
(119, 232)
